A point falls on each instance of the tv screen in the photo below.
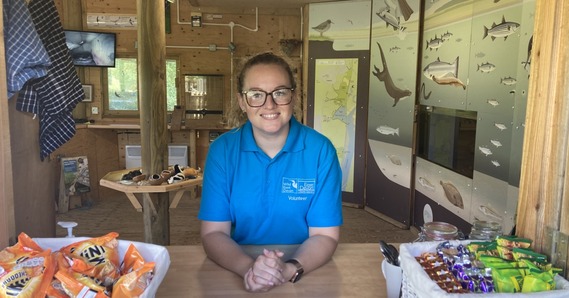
(447, 137)
(89, 48)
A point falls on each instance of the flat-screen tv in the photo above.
(88, 48)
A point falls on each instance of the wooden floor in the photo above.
(117, 214)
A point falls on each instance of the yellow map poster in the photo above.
(335, 96)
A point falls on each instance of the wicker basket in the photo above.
(415, 282)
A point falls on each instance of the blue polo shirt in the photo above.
(272, 201)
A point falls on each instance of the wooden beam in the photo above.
(153, 126)
(544, 200)
(7, 220)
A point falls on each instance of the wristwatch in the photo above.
(299, 270)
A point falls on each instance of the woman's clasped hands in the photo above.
(266, 272)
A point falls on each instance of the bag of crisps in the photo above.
(25, 269)
(96, 257)
(74, 288)
(134, 283)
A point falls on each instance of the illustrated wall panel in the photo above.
(392, 75)
(337, 85)
(492, 73)
(444, 63)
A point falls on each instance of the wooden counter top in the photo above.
(354, 271)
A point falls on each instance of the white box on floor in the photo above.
(150, 252)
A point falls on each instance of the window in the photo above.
(122, 87)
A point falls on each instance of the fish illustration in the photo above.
(394, 159)
(496, 143)
(487, 210)
(434, 43)
(394, 49)
(504, 29)
(425, 96)
(485, 150)
(493, 102)
(509, 81)
(426, 183)
(500, 126)
(386, 15)
(452, 81)
(441, 69)
(384, 76)
(527, 63)
(495, 163)
(486, 67)
(480, 55)
(446, 36)
(387, 130)
(452, 194)
(405, 9)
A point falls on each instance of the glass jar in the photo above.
(438, 231)
(485, 230)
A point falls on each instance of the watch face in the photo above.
(299, 270)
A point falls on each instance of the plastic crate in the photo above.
(416, 283)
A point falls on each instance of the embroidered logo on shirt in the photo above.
(298, 185)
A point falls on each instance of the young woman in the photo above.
(270, 181)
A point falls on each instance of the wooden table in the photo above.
(156, 215)
(354, 271)
(113, 180)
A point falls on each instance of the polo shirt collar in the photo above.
(294, 140)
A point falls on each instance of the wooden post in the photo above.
(7, 217)
(153, 126)
(544, 199)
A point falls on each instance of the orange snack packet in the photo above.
(134, 283)
(25, 269)
(96, 257)
(132, 260)
(74, 288)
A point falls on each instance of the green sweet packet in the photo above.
(538, 281)
(513, 241)
(519, 253)
(508, 280)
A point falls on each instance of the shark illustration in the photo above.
(389, 17)
(384, 76)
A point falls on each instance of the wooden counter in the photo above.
(354, 271)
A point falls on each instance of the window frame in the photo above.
(107, 112)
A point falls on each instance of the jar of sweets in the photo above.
(438, 231)
(485, 230)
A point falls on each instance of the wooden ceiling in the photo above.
(253, 3)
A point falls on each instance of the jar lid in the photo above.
(440, 228)
(487, 225)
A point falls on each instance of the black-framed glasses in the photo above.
(257, 98)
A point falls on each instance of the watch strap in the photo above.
(299, 270)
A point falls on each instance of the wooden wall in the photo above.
(184, 43)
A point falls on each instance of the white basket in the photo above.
(150, 252)
(417, 284)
